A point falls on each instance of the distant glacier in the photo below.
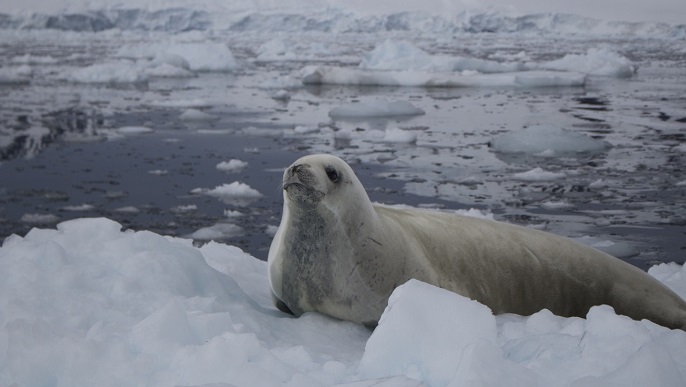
(182, 19)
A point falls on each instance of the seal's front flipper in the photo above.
(280, 305)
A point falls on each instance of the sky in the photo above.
(669, 11)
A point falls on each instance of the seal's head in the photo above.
(319, 179)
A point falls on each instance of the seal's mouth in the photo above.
(302, 192)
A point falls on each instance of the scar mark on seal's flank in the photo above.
(375, 241)
(353, 270)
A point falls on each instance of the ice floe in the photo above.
(402, 55)
(232, 166)
(375, 109)
(115, 72)
(163, 312)
(547, 141)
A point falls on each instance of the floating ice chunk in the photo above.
(400, 136)
(600, 183)
(236, 193)
(680, 148)
(538, 174)
(194, 56)
(360, 77)
(33, 59)
(275, 49)
(196, 103)
(15, 75)
(596, 61)
(232, 214)
(165, 70)
(128, 210)
(170, 59)
(402, 55)
(197, 115)
(617, 249)
(217, 231)
(118, 72)
(375, 109)
(205, 56)
(236, 189)
(232, 166)
(301, 129)
(186, 208)
(134, 130)
(281, 95)
(398, 55)
(537, 139)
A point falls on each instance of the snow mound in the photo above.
(547, 141)
(89, 304)
(417, 78)
(375, 109)
(398, 347)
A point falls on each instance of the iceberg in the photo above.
(402, 55)
(596, 61)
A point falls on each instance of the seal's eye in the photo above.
(332, 173)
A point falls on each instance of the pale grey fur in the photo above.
(337, 253)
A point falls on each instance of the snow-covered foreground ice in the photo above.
(89, 304)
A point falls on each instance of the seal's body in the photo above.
(337, 253)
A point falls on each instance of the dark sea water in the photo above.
(63, 157)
